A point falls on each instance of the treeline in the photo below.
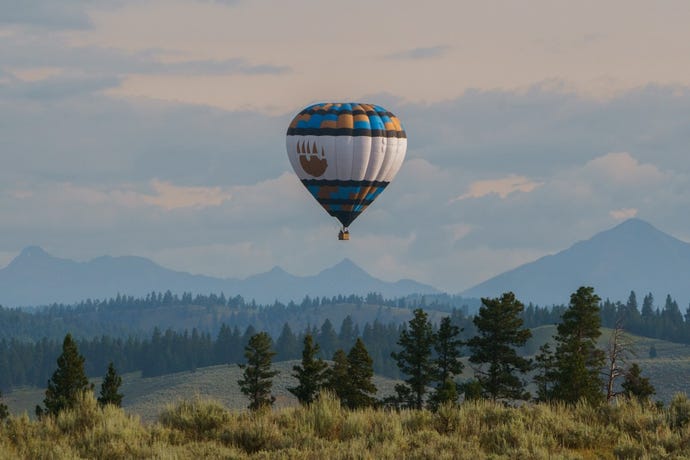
(647, 319)
(164, 352)
(31, 341)
(124, 316)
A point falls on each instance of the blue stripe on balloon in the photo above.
(376, 122)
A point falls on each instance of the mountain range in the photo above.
(35, 277)
(634, 255)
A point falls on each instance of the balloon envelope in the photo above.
(345, 154)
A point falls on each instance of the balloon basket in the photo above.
(344, 235)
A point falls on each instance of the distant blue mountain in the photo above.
(35, 277)
(631, 256)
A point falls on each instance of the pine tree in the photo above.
(636, 386)
(446, 393)
(257, 378)
(361, 389)
(648, 307)
(311, 375)
(338, 377)
(545, 363)
(631, 319)
(350, 378)
(110, 388)
(500, 332)
(447, 363)
(347, 335)
(68, 381)
(287, 345)
(578, 361)
(414, 360)
(328, 339)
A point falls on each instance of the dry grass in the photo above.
(202, 428)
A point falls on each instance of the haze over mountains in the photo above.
(631, 256)
(35, 277)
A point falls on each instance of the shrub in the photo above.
(679, 411)
(197, 419)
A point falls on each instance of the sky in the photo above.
(157, 128)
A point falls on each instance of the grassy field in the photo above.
(476, 430)
(147, 397)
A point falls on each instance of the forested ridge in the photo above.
(123, 330)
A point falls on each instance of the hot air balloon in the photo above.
(345, 154)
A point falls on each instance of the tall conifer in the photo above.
(578, 360)
(493, 350)
(360, 367)
(110, 388)
(257, 378)
(311, 374)
(414, 359)
(68, 381)
(447, 362)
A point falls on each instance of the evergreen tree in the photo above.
(347, 335)
(361, 389)
(636, 386)
(447, 362)
(4, 411)
(338, 377)
(68, 381)
(328, 339)
(500, 332)
(472, 389)
(632, 317)
(648, 307)
(446, 393)
(287, 345)
(414, 360)
(257, 378)
(578, 361)
(110, 388)
(545, 363)
(311, 375)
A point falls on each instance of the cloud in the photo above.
(25, 54)
(65, 14)
(51, 88)
(175, 181)
(625, 213)
(169, 196)
(501, 187)
(623, 169)
(415, 54)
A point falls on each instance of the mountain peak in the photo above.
(346, 267)
(635, 224)
(633, 255)
(34, 252)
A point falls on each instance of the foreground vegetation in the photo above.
(476, 429)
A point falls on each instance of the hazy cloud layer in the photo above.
(65, 14)
(157, 128)
(428, 52)
(210, 191)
